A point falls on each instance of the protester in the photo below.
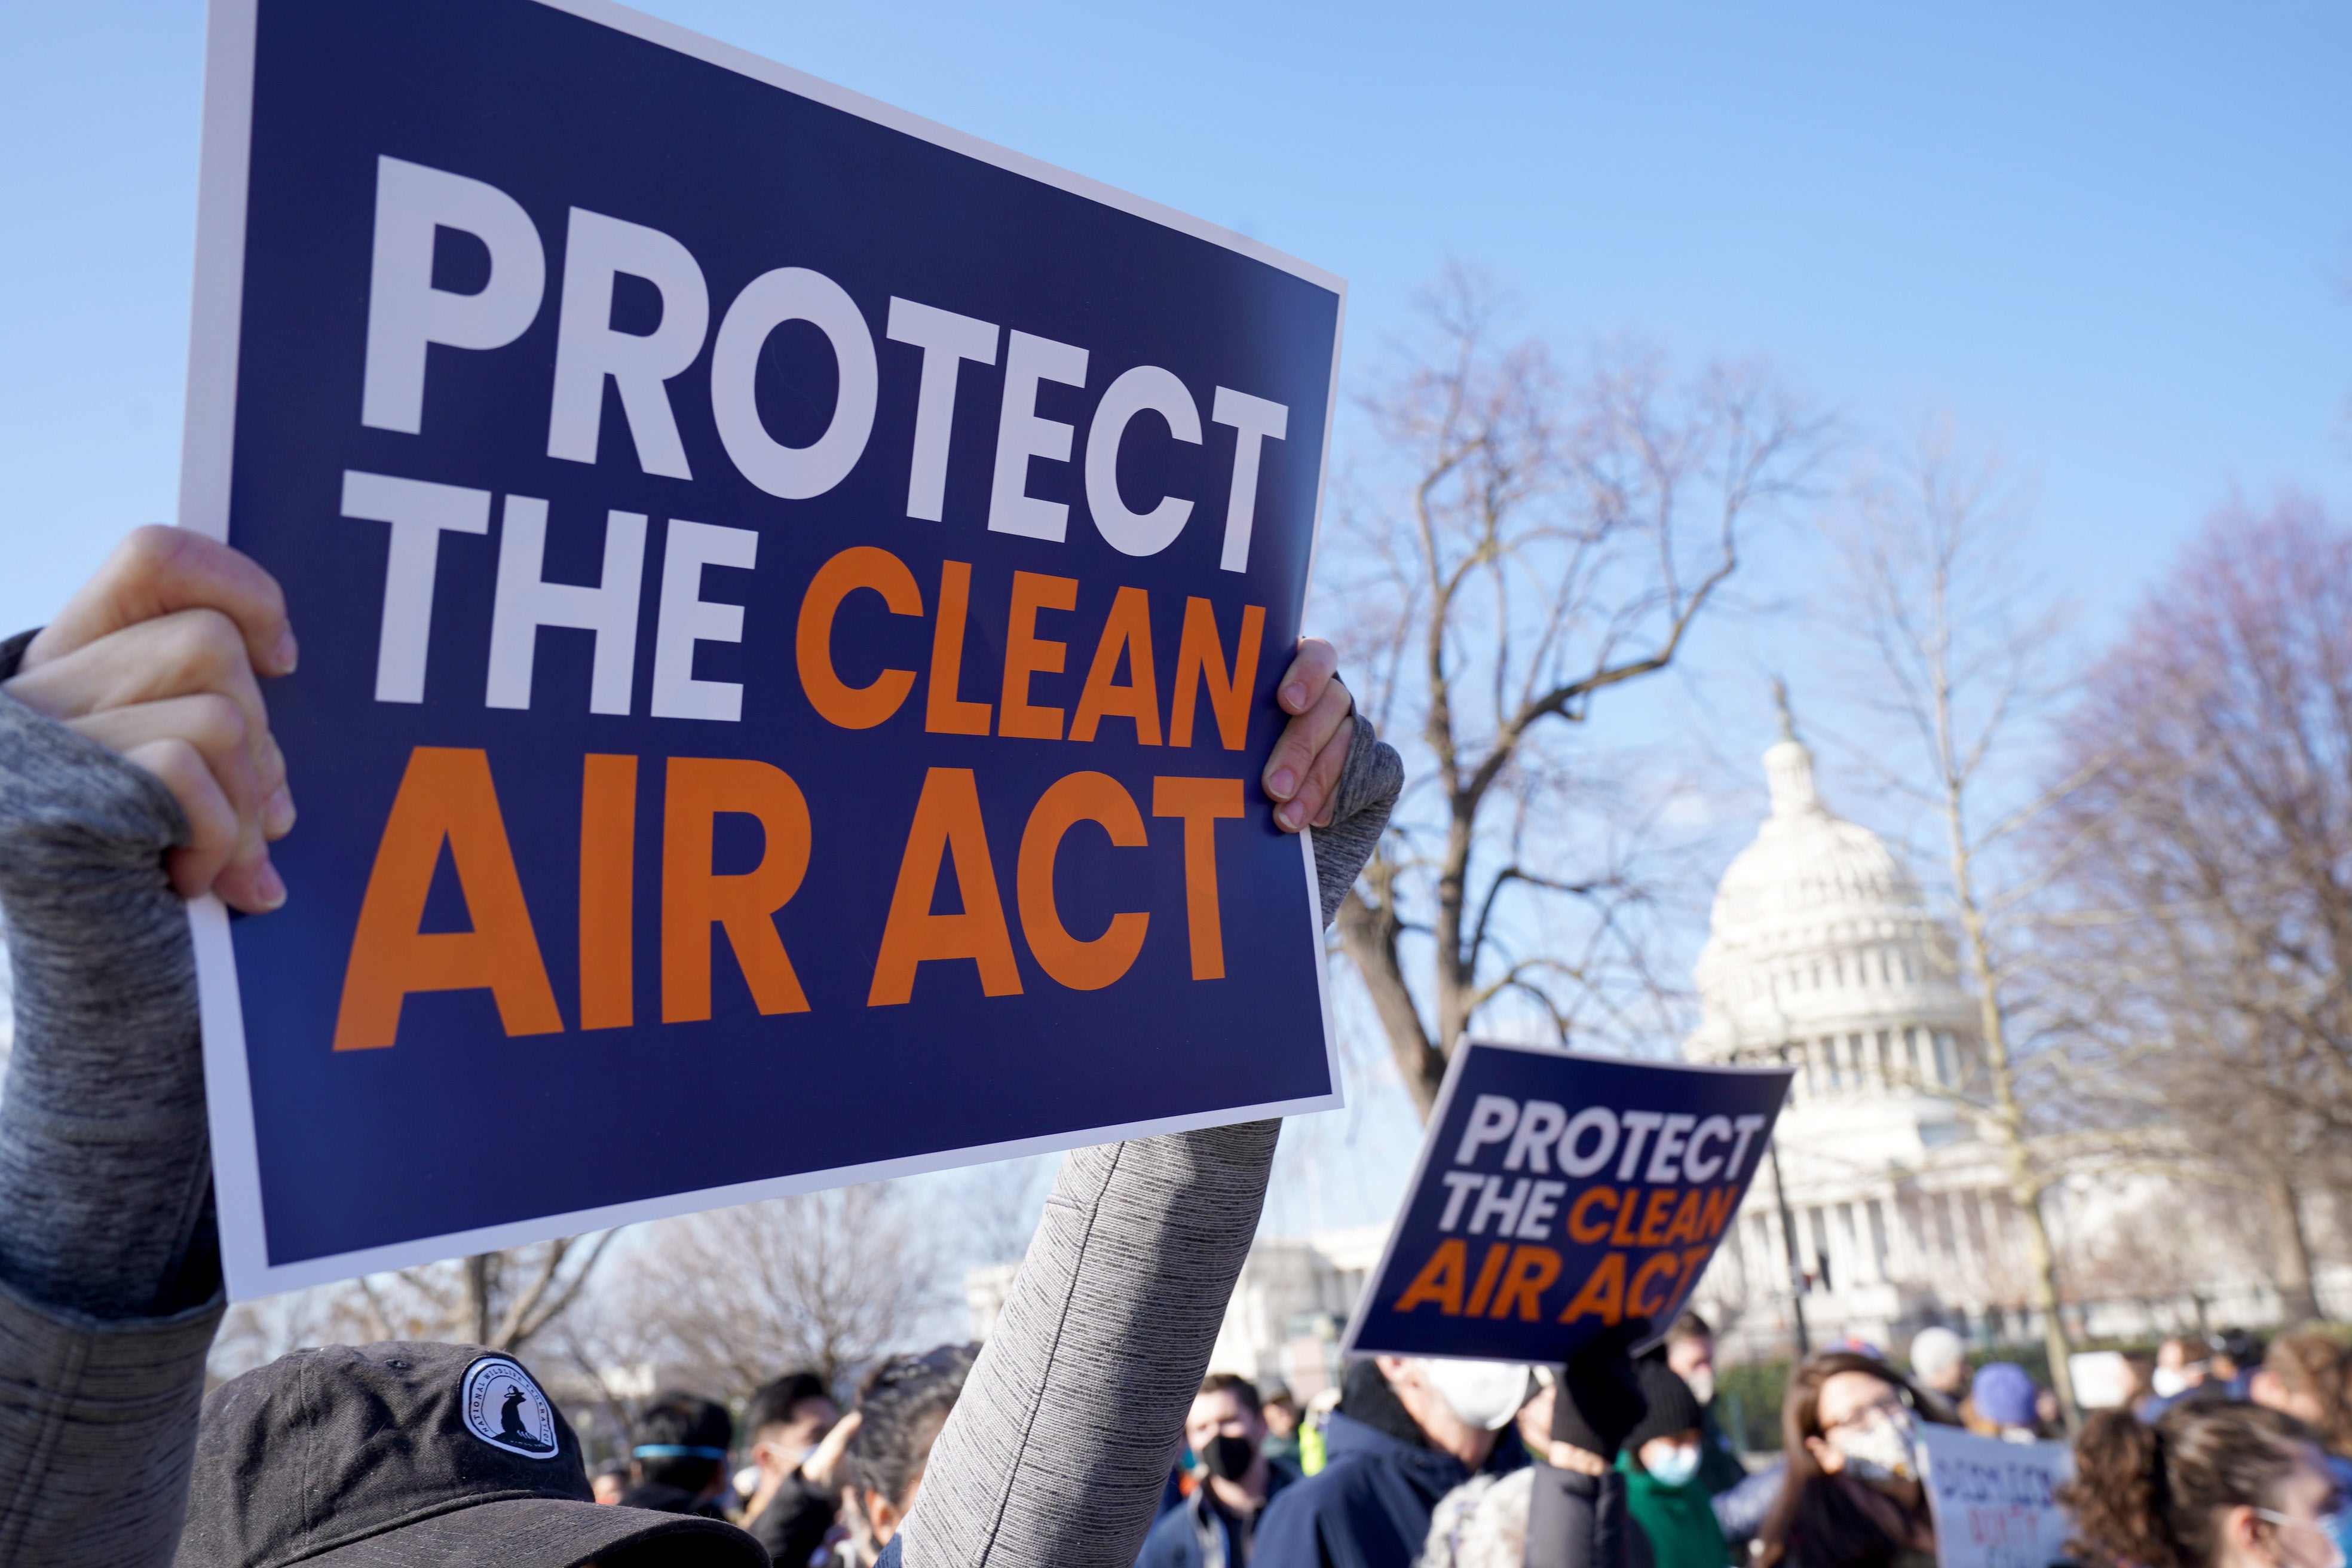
(1408, 1430)
(1939, 1369)
(2212, 1484)
(390, 1455)
(136, 769)
(1281, 1412)
(901, 1406)
(2237, 1355)
(1690, 1354)
(2003, 1403)
(2308, 1375)
(1851, 1498)
(611, 1480)
(1661, 1462)
(795, 1503)
(1567, 1508)
(2183, 1373)
(1227, 1432)
(679, 1463)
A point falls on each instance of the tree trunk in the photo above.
(2042, 1259)
(477, 1298)
(1370, 932)
(2290, 1252)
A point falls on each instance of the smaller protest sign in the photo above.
(1559, 1195)
(1995, 1503)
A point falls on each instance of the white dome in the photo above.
(1817, 925)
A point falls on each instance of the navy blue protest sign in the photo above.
(791, 599)
(1559, 1195)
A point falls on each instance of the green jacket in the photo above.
(1679, 1521)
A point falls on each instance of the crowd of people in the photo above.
(136, 770)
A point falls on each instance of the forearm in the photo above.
(103, 1173)
(1059, 1449)
(1057, 1453)
(108, 1272)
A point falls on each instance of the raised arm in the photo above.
(1057, 1453)
(135, 768)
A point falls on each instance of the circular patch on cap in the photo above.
(505, 1409)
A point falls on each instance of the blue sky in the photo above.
(2115, 240)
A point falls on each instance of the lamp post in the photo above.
(1789, 1237)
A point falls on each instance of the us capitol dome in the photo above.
(1889, 1212)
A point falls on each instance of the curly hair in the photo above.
(2154, 1496)
(902, 1405)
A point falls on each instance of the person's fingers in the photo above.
(1300, 752)
(157, 571)
(184, 653)
(1311, 670)
(1320, 793)
(214, 728)
(196, 867)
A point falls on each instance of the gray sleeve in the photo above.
(1057, 1455)
(1059, 1449)
(1368, 786)
(108, 1264)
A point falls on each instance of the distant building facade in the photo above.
(1887, 1210)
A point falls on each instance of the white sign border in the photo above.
(1454, 1067)
(207, 448)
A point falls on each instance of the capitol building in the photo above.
(1882, 1209)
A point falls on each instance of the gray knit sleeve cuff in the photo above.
(1368, 790)
(97, 1429)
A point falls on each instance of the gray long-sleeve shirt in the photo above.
(1057, 1452)
(110, 1275)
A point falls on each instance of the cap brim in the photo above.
(545, 1533)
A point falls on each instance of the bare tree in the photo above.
(1964, 665)
(826, 1281)
(2215, 902)
(1539, 537)
(501, 1299)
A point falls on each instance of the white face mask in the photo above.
(2167, 1381)
(1674, 1468)
(1702, 1386)
(1880, 1449)
(1482, 1393)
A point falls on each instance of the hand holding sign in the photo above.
(1304, 772)
(155, 659)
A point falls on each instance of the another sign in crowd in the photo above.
(1123, 754)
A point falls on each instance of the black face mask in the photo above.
(1228, 1457)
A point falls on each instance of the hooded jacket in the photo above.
(1370, 1505)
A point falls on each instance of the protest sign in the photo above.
(1995, 1502)
(1559, 1195)
(791, 600)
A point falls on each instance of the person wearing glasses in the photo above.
(2209, 1485)
(1851, 1498)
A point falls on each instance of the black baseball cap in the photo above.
(412, 1455)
